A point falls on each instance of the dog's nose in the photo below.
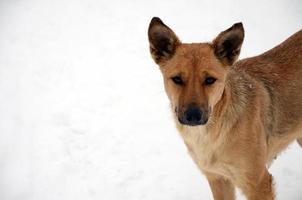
(193, 116)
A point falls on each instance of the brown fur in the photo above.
(254, 107)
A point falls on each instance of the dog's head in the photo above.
(194, 74)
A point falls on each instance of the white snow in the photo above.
(83, 111)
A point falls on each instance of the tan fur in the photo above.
(299, 141)
(255, 110)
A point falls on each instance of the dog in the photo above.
(234, 116)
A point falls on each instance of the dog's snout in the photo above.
(193, 116)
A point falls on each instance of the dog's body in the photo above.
(234, 117)
(263, 93)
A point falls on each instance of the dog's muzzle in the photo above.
(193, 116)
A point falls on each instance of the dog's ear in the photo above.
(228, 43)
(163, 41)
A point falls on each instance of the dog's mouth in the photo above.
(193, 123)
(193, 116)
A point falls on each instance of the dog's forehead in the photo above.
(195, 49)
(197, 55)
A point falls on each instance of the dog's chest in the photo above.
(205, 152)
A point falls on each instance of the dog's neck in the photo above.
(230, 107)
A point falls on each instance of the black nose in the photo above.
(193, 116)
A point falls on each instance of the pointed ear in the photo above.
(163, 41)
(228, 43)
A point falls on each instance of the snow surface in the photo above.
(83, 111)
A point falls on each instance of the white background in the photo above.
(83, 112)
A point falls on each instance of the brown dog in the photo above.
(234, 117)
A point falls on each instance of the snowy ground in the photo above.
(82, 106)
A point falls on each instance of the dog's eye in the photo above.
(177, 80)
(209, 80)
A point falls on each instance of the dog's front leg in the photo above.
(258, 186)
(222, 188)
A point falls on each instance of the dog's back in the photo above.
(280, 72)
